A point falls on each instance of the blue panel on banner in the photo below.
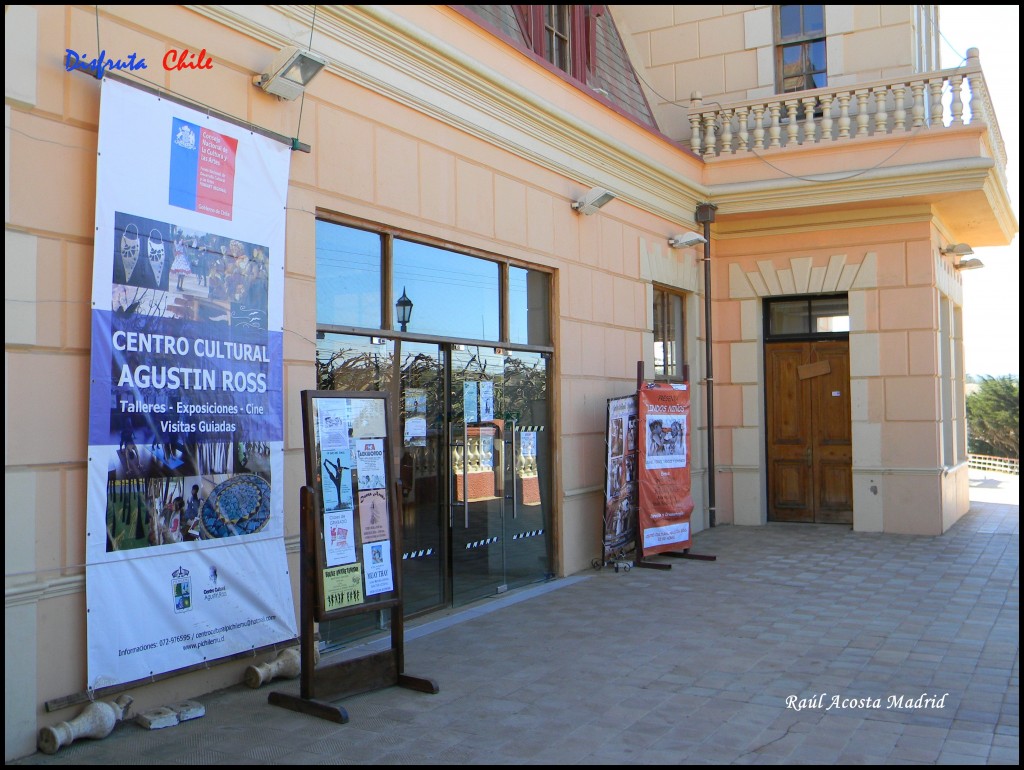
(204, 381)
(184, 164)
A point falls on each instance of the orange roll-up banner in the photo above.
(665, 501)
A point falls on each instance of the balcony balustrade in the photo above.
(928, 101)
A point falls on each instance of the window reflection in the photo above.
(528, 306)
(453, 294)
(669, 337)
(348, 276)
(817, 315)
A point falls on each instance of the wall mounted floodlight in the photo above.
(958, 249)
(686, 240)
(969, 264)
(290, 72)
(592, 201)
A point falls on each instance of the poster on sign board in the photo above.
(665, 502)
(620, 494)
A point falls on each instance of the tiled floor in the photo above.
(793, 647)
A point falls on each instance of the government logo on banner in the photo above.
(202, 169)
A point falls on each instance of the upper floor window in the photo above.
(800, 47)
(562, 34)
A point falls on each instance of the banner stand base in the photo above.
(687, 555)
(652, 564)
(618, 562)
(309, 706)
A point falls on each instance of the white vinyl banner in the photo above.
(185, 513)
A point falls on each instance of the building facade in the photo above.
(450, 148)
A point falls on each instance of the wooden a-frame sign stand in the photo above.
(318, 685)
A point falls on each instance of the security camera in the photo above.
(686, 240)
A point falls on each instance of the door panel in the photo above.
(788, 411)
(476, 482)
(421, 430)
(525, 409)
(832, 433)
(809, 428)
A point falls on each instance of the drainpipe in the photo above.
(706, 215)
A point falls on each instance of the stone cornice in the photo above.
(918, 179)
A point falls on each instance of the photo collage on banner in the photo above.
(350, 440)
(620, 497)
(185, 543)
(665, 504)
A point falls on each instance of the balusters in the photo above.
(935, 109)
(758, 126)
(810, 136)
(774, 126)
(899, 115)
(826, 117)
(881, 113)
(956, 106)
(844, 115)
(869, 110)
(862, 111)
(709, 135)
(741, 119)
(792, 126)
(917, 107)
(727, 132)
(695, 133)
(694, 117)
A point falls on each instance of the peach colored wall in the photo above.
(895, 279)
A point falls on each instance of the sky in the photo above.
(991, 311)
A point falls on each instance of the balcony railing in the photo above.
(927, 101)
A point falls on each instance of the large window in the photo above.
(669, 334)
(363, 275)
(800, 47)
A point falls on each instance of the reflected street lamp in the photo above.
(403, 308)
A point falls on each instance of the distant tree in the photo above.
(993, 417)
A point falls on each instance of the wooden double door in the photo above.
(809, 446)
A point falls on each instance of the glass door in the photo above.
(477, 481)
(527, 534)
(421, 430)
(498, 491)
(350, 362)
(474, 464)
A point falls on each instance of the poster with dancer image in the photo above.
(185, 516)
(665, 504)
